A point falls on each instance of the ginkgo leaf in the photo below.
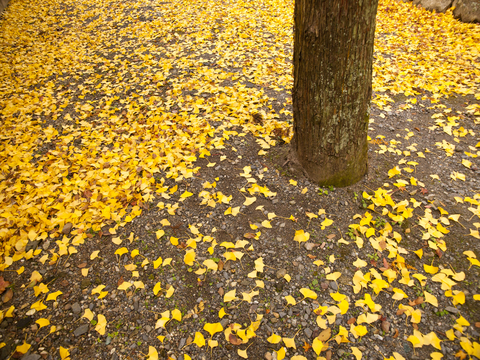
(230, 296)
(177, 315)
(333, 276)
(213, 328)
(289, 342)
(88, 314)
(152, 353)
(356, 352)
(301, 236)
(249, 200)
(242, 353)
(53, 296)
(94, 254)
(124, 286)
(431, 299)
(169, 292)
(64, 353)
(42, 322)
(274, 339)
(101, 324)
(22, 349)
(290, 300)
(189, 257)
(199, 340)
(307, 293)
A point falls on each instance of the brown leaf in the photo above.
(3, 284)
(396, 334)
(82, 265)
(221, 291)
(439, 252)
(7, 296)
(189, 340)
(249, 236)
(415, 326)
(423, 191)
(417, 301)
(351, 321)
(477, 324)
(120, 281)
(331, 236)
(306, 346)
(400, 312)
(325, 335)
(234, 340)
(383, 244)
(328, 355)
(311, 256)
(220, 265)
(386, 264)
(460, 354)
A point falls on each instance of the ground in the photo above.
(148, 210)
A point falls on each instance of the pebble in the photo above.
(82, 329)
(333, 285)
(452, 309)
(31, 357)
(281, 273)
(268, 356)
(308, 332)
(76, 308)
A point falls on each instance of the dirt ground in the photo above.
(234, 247)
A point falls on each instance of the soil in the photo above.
(263, 230)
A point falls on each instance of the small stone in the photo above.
(76, 308)
(67, 228)
(309, 246)
(31, 357)
(324, 285)
(340, 352)
(268, 356)
(452, 309)
(85, 284)
(182, 342)
(82, 329)
(308, 332)
(333, 285)
(281, 273)
(385, 326)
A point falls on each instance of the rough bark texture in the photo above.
(333, 51)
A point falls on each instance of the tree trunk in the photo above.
(332, 60)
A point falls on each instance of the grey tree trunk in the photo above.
(333, 53)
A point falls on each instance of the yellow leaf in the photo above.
(360, 263)
(88, 314)
(124, 286)
(356, 352)
(152, 353)
(53, 296)
(280, 353)
(64, 353)
(289, 342)
(157, 262)
(177, 315)
(317, 346)
(170, 292)
(230, 296)
(266, 224)
(436, 355)
(430, 269)
(325, 223)
(160, 233)
(22, 349)
(301, 236)
(431, 299)
(290, 300)
(119, 251)
(333, 276)
(419, 253)
(42, 322)
(287, 277)
(242, 353)
(274, 339)
(189, 257)
(293, 182)
(213, 328)
(186, 194)
(307, 293)
(94, 254)
(249, 200)
(101, 324)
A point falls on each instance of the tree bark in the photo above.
(332, 60)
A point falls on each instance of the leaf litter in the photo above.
(141, 175)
